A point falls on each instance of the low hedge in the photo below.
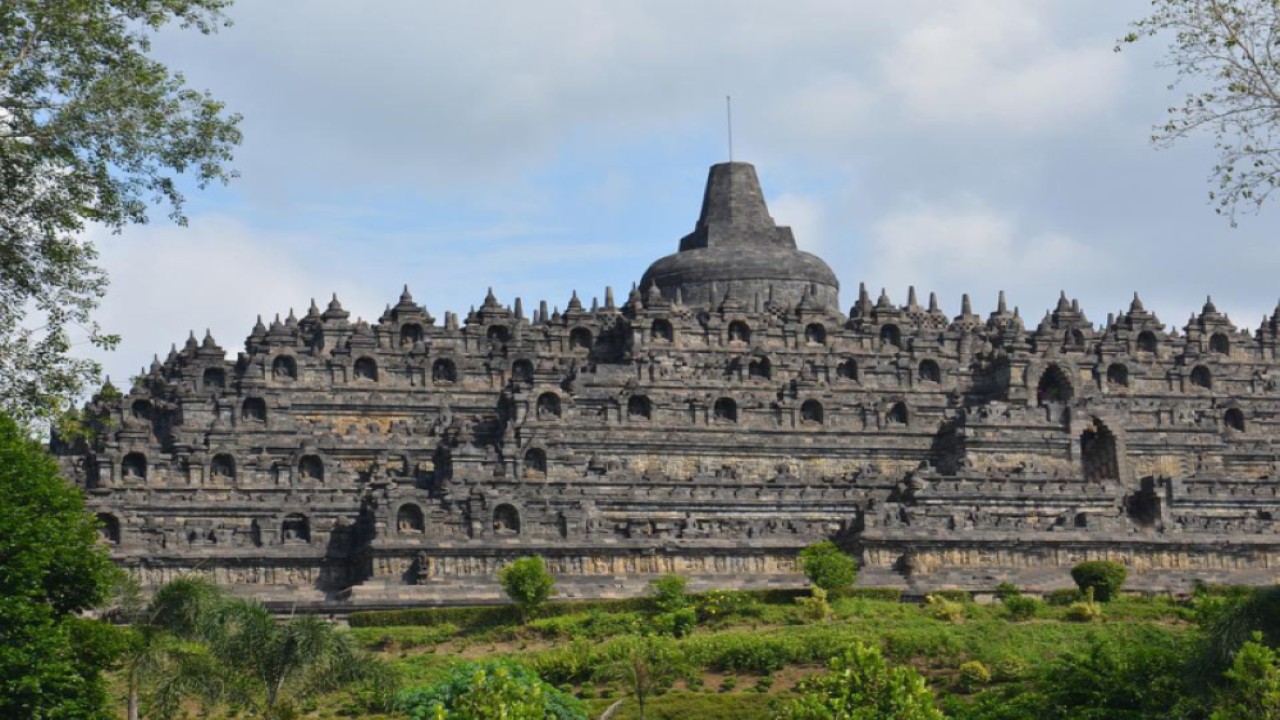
(474, 617)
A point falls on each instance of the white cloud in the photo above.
(804, 216)
(997, 62)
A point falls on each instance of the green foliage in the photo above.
(51, 569)
(678, 623)
(1084, 610)
(646, 666)
(1021, 607)
(1006, 590)
(1223, 49)
(827, 566)
(1252, 691)
(722, 604)
(488, 691)
(940, 608)
(668, 593)
(1103, 576)
(862, 686)
(1063, 597)
(869, 593)
(816, 607)
(92, 130)
(1231, 619)
(528, 584)
(973, 675)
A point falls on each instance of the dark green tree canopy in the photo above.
(92, 130)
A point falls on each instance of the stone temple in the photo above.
(723, 415)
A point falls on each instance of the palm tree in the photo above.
(277, 665)
(167, 659)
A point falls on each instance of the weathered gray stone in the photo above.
(722, 417)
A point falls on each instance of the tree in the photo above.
(92, 130)
(827, 566)
(528, 584)
(860, 685)
(1226, 49)
(1253, 685)
(493, 689)
(273, 666)
(51, 568)
(1103, 576)
(646, 666)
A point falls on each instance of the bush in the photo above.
(1021, 607)
(720, 604)
(861, 684)
(973, 675)
(491, 689)
(1086, 610)
(960, 596)
(527, 582)
(827, 566)
(1103, 576)
(868, 593)
(816, 607)
(1063, 597)
(728, 684)
(678, 623)
(1006, 590)
(940, 608)
(668, 593)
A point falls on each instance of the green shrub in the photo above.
(490, 689)
(868, 593)
(721, 604)
(1020, 607)
(816, 607)
(861, 684)
(827, 566)
(668, 593)
(528, 584)
(1007, 590)
(1085, 610)
(1103, 576)
(941, 608)
(1063, 597)
(973, 675)
(764, 684)
(960, 596)
(677, 623)
(728, 684)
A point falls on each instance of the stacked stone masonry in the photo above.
(722, 416)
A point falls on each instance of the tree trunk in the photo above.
(133, 703)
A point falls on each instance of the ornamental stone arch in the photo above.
(506, 518)
(1100, 447)
(410, 519)
(533, 462)
(284, 367)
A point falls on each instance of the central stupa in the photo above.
(737, 250)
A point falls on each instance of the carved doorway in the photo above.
(1098, 453)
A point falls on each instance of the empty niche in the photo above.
(930, 372)
(141, 410)
(662, 331)
(891, 335)
(444, 371)
(725, 410)
(134, 466)
(214, 379)
(759, 368)
(284, 367)
(1201, 377)
(1118, 376)
(898, 414)
(1233, 419)
(366, 369)
(535, 463)
(815, 334)
(254, 409)
(1220, 344)
(811, 412)
(580, 339)
(410, 520)
(1098, 453)
(522, 371)
(1053, 386)
(639, 407)
(847, 369)
(506, 520)
(222, 468)
(1147, 342)
(108, 528)
(310, 467)
(295, 529)
(739, 332)
(410, 333)
(548, 405)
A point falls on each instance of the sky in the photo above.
(538, 148)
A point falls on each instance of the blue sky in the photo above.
(957, 145)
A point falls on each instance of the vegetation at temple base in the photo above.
(1103, 577)
(858, 685)
(51, 570)
(493, 689)
(528, 584)
(827, 566)
(92, 132)
(1223, 50)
